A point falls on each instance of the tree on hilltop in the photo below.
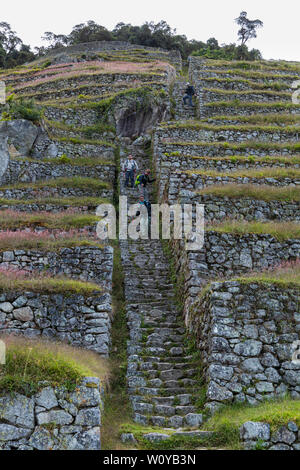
(248, 27)
(12, 50)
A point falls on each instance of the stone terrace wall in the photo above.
(225, 135)
(227, 254)
(245, 208)
(84, 263)
(30, 171)
(77, 418)
(173, 56)
(257, 435)
(179, 185)
(31, 193)
(246, 334)
(73, 318)
(94, 78)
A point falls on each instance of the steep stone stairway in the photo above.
(162, 376)
(181, 111)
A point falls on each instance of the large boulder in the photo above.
(21, 135)
(4, 156)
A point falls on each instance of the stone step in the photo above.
(162, 410)
(163, 391)
(160, 436)
(193, 420)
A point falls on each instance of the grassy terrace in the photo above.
(106, 103)
(261, 192)
(78, 182)
(278, 85)
(228, 420)
(202, 125)
(277, 173)
(279, 230)
(87, 130)
(259, 119)
(149, 70)
(65, 160)
(257, 64)
(30, 362)
(64, 221)
(80, 89)
(251, 159)
(78, 202)
(46, 284)
(249, 144)
(249, 74)
(82, 141)
(254, 104)
(45, 241)
(248, 92)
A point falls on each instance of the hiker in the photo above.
(130, 167)
(142, 201)
(142, 181)
(189, 93)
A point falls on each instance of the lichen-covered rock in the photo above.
(255, 431)
(4, 155)
(21, 133)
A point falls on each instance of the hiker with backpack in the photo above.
(189, 93)
(130, 167)
(141, 182)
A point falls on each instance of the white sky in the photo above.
(197, 19)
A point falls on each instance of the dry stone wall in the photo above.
(83, 321)
(31, 171)
(53, 418)
(247, 333)
(84, 263)
(226, 255)
(258, 435)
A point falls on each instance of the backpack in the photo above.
(138, 180)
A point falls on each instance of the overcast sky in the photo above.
(197, 19)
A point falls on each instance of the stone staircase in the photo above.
(162, 376)
(182, 112)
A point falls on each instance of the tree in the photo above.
(55, 40)
(89, 32)
(248, 27)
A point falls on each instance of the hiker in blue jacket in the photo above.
(189, 93)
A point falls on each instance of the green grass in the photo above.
(257, 192)
(54, 80)
(82, 141)
(253, 144)
(46, 284)
(286, 277)
(96, 128)
(56, 201)
(277, 173)
(30, 362)
(255, 65)
(11, 219)
(117, 409)
(65, 160)
(279, 230)
(253, 104)
(200, 125)
(219, 91)
(252, 159)
(274, 85)
(256, 119)
(276, 412)
(78, 182)
(29, 241)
